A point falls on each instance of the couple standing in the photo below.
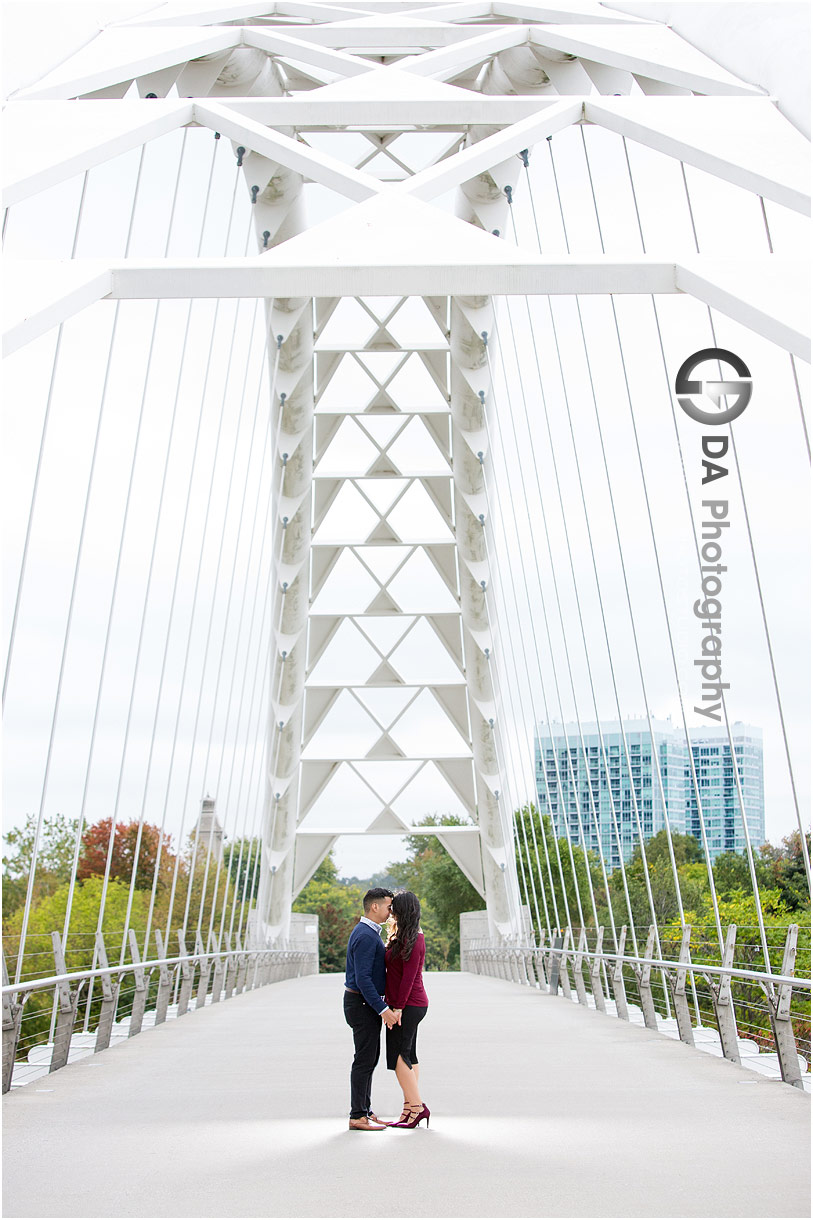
(385, 985)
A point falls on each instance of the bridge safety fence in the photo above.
(721, 1003)
(54, 1015)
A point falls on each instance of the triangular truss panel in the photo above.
(379, 311)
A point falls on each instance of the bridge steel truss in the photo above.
(490, 81)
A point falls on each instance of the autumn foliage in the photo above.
(96, 842)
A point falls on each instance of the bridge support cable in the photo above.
(520, 466)
(769, 646)
(690, 753)
(516, 463)
(502, 517)
(257, 430)
(667, 619)
(233, 476)
(793, 369)
(151, 569)
(32, 507)
(589, 530)
(519, 381)
(258, 664)
(263, 564)
(552, 451)
(257, 721)
(757, 579)
(170, 621)
(111, 611)
(72, 599)
(695, 784)
(181, 545)
(656, 761)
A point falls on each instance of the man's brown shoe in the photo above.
(365, 1124)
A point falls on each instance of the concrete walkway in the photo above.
(539, 1108)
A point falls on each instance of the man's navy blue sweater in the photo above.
(366, 966)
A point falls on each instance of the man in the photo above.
(364, 1005)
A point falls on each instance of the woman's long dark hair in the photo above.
(407, 911)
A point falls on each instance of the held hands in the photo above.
(391, 1017)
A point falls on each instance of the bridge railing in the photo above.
(600, 978)
(157, 990)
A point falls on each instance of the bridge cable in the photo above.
(517, 452)
(791, 356)
(43, 436)
(200, 554)
(503, 519)
(202, 548)
(151, 570)
(198, 699)
(530, 611)
(687, 736)
(503, 449)
(605, 762)
(656, 555)
(72, 599)
(500, 698)
(217, 693)
(763, 612)
(552, 450)
(623, 572)
(266, 515)
(176, 582)
(215, 586)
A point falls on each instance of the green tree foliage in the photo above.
(47, 916)
(54, 859)
(242, 860)
(784, 899)
(339, 908)
(443, 890)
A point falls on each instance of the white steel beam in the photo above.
(651, 50)
(39, 294)
(117, 55)
(744, 140)
(767, 295)
(449, 61)
(305, 51)
(293, 154)
(40, 149)
(483, 155)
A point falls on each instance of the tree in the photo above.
(444, 892)
(786, 866)
(241, 857)
(47, 916)
(339, 908)
(95, 843)
(54, 859)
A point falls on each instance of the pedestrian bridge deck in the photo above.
(539, 1108)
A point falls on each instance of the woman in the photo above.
(405, 994)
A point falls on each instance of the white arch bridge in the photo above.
(396, 388)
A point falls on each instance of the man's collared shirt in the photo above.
(375, 926)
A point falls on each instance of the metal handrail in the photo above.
(55, 979)
(732, 971)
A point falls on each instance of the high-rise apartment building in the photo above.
(650, 772)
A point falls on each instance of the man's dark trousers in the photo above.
(366, 1027)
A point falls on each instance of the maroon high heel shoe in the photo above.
(422, 1112)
